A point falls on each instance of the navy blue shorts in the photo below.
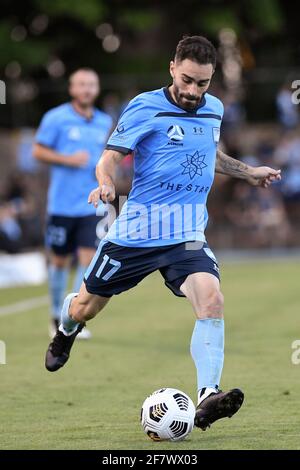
(65, 234)
(115, 269)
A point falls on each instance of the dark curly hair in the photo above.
(196, 48)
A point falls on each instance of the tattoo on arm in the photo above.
(230, 166)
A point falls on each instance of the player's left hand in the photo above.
(263, 176)
(106, 193)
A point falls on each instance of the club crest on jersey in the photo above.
(74, 133)
(175, 134)
(194, 165)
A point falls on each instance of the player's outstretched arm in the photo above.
(106, 174)
(47, 155)
(257, 176)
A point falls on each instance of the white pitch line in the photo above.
(24, 305)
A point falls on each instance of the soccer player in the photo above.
(174, 133)
(70, 139)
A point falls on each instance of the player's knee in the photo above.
(85, 256)
(60, 262)
(213, 305)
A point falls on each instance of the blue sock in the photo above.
(57, 280)
(79, 277)
(207, 350)
(68, 325)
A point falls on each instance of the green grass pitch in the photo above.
(141, 343)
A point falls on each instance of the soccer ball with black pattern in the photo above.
(168, 415)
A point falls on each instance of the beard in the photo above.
(186, 101)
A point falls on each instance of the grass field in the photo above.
(141, 343)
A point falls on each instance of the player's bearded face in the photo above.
(190, 81)
(186, 100)
(84, 88)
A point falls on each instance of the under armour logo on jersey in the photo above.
(175, 133)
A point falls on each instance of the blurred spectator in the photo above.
(258, 216)
(111, 105)
(25, 160)
(287, 156)
(10, 230)
(20, 221)
(234, 111)
(129, 95)
(234, 117)
(287, 111)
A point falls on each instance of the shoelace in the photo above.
(58, 343)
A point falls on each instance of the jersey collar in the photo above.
(170, 99)
(84, 118)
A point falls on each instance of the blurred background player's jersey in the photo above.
(66, 132)
(174, 166)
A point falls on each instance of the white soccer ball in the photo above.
(168, 414)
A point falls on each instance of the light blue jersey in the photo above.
(66, 131)
(174, 166)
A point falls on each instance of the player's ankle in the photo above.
(67, 332)
(204, 392)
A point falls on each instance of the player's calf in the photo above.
(81, 311)
(85, 306)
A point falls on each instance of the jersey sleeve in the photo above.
(47, 132)
(221, 109)
(133, 126)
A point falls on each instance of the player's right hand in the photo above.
(78, 159)
(106, 193)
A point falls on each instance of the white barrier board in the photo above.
(22, 269)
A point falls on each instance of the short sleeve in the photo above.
(133, 126)
(47, 132)
(221, 109)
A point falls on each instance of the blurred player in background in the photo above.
(69, 139)
(174, 132)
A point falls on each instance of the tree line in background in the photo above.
(42, 41)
